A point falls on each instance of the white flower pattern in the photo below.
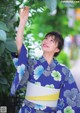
(38, 71)
(56, 75)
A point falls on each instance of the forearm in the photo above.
(24, 13)
(19, 36)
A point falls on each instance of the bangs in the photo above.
(56, 39)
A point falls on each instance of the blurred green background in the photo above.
(44, 16)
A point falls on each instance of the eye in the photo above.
(52, 40)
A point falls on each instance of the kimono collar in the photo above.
(52, 65)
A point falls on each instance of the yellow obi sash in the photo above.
(42, 95)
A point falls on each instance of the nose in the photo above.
(47, 41)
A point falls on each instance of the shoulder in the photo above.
(67, 74)
(63, 66)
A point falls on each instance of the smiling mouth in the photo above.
(44, 45)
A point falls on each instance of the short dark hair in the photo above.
(58, 38)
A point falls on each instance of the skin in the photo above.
(24, 14)
(49, 46)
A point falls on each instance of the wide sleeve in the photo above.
(69, 100)
(21, 67)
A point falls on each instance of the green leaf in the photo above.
(2, 47)
(11, 46)
(3, 81)
(3, 26)
(3, 35)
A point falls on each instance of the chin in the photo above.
(44, 50)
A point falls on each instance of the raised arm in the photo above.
(24, 13)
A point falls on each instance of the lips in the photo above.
(44, 45)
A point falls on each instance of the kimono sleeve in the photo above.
(69, 100)
(21, 64)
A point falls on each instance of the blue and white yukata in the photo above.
(55, 78)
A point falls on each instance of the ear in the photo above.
(57, 50)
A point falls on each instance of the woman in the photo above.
(50, 85)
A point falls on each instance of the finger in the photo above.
(25, 8)
(21, 10)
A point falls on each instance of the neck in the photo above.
(48, 57)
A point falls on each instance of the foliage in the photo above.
(7, 15)
(7, 45)
(64, 59)
(41, 21)
(4, 42)
(6, 65)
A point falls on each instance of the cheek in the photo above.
(52, 47)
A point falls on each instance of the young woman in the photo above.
(50, 85)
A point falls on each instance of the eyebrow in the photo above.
(52, 37)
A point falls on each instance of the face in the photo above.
(50, 45)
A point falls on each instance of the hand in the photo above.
(24, 14)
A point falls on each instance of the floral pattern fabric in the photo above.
(55, 75)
